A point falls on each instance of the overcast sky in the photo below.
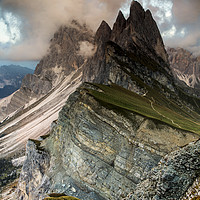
(26, 26)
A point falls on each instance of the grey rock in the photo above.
(118, 27)
(96, 152)
(186, 69)
(173, 176)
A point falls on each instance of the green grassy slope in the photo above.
(153, 105)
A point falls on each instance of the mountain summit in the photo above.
(138, 34)
(141, 31)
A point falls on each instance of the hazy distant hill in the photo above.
(11, 77)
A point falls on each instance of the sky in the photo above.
(26, 26)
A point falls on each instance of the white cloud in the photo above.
(170, 33)
(86, 49)
(162, 9)
(9, 29)
(4, 38)
(178, 21)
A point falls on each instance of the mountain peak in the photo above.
(118, 26)
(103, 32)
(145, 33)
(136, 11)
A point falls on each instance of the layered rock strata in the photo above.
(94, 152)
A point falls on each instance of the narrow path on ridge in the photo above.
(161, 113)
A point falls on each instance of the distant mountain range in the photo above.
(11, 78)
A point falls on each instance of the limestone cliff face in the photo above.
(94, 152)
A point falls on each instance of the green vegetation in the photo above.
(153, 105)
(8, 173)
(55, 196)
(38, 144)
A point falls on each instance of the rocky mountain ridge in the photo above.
(125, 134)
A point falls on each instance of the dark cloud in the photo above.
(186, 11)
(178, 20)
(41, 18)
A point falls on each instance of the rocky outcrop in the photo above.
(33, 172)
(97, 152)
(173, 176)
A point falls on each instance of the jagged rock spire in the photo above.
(139, 30)
(137, 12)
(138, 34)
(118, 26)
(144, 31)
(103, 32)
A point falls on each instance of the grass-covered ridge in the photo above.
(55, 196)
(152, 106)
(61, 198)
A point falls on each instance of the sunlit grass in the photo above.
(151, 106)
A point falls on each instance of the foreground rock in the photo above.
(173, 176)
(95, 153)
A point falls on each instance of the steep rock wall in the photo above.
(98, 153)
